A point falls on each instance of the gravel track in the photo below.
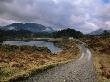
(81, 70)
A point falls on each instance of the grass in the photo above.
(100, 47)
(17, 62)
(102, 64)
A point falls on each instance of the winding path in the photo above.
(81, 70)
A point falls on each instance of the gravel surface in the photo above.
(81, 70)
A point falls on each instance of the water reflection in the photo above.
(49, 45)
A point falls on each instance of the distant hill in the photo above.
(12, 34)
(99, 32)
(68, 33)
(32, 27)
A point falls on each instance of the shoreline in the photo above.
(62, 60)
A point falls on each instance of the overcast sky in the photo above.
(82, 15)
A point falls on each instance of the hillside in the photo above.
(99, 32)
(33, 27)
(68, 33)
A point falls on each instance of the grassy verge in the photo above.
(36, 70)
(17, 62)
(101, 53)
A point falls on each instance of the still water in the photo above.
(49, 45)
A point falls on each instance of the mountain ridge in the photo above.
(33, 27)
(99, 32)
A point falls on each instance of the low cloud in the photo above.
(83, 15)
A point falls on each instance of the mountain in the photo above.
(99, 32)
(68, 33)
(33, 27)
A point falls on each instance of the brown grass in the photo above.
(16, 61)
(101, 52)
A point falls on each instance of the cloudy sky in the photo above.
(82, 15)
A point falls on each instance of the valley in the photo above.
(54, 40)
(24, 54)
